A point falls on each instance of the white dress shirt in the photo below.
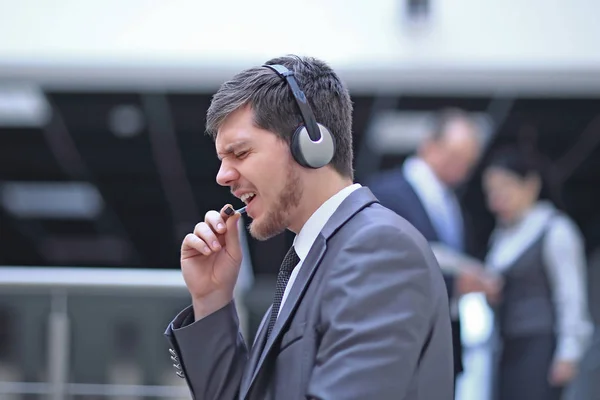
(439, 201)
(564, 259)
(311, 229)
(442, 206)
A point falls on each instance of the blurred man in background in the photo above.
(422, 191)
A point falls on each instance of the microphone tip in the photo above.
(241, 210)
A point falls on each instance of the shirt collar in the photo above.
(535, 217)
(508, 242)
(313, 226)
(421, 176)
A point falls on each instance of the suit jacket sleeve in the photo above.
(377, 310)
(211, 352)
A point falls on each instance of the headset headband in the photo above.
(307, 115)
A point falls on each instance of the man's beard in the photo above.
(276, 219)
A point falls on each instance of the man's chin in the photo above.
(265, 230)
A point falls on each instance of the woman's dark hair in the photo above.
(514, 160)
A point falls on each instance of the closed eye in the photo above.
(241, 154)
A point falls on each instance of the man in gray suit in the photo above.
(360, 308)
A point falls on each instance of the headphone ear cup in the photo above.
(295, 146)
(311, 154)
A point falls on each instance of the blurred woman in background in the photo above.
(541, 315)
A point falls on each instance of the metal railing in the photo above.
(61, 284)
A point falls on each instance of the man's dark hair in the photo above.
(275, 108)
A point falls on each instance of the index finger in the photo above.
(227, 211)
(216, 220)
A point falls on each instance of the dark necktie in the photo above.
(289, 262)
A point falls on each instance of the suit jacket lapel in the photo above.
(306, 272)
(432, 233)
(355, 202)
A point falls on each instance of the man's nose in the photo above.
(227, 175)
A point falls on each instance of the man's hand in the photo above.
(474, 279)
(210, 261)
(470, 279)
(562, 372)
(493, 289)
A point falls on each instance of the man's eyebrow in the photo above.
(230, 148)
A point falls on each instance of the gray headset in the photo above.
(312, 145)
